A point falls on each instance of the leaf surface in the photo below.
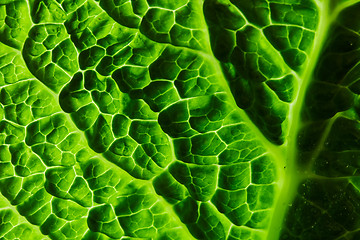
(157, 119)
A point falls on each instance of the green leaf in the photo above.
(159, 119)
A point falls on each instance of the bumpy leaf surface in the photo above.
(186, 119)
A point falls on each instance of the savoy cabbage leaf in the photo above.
(183, 119)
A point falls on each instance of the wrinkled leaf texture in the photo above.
(186, 119)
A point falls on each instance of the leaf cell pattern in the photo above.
(157, 119)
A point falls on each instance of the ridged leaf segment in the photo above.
(189, 119)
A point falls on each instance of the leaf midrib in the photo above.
(292, 176)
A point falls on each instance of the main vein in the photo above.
(292, 177)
